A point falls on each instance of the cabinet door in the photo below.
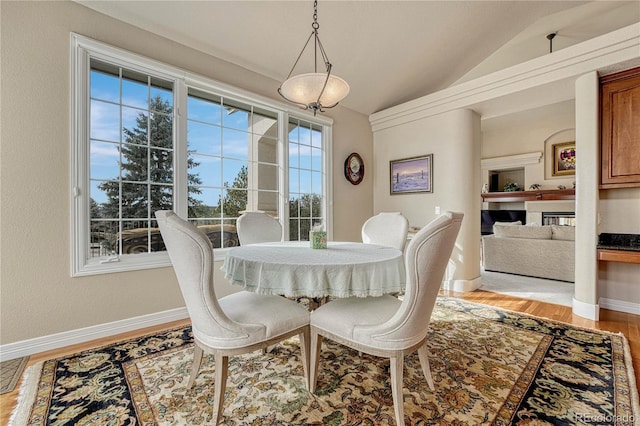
(620, 155)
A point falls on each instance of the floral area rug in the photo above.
(489, 366)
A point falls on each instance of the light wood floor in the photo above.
(613, 321)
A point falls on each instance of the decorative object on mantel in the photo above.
(561, 187)
(535, 186)
(315, 90)
(574, 184)
(511, 187)
(485, 188)
(354, 168)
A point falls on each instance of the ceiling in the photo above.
(389, 52)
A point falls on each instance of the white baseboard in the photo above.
(620, 305)
(586, 310)
(81, 335)
(462, 286)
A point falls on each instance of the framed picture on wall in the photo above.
(410, 175)
(563, 156)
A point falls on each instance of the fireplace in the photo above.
(559, 218)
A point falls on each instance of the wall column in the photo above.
(459, 168)
(585, 299)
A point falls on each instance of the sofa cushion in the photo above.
(522, 231)
(517, 222)
(565, 233)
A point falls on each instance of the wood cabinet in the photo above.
(620, 129)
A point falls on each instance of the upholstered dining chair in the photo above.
(388, 327)
(386, 229)
(235, 324)
(258, 227)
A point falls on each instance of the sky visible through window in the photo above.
(221, 135)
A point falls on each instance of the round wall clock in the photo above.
(354, 168)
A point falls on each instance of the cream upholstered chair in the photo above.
(386, 229)
(239, 323)
(385, 326)
(258, 227)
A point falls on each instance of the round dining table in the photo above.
(294, 269)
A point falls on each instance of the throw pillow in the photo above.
(565, 233)
(523, 231)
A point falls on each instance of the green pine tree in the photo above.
(147, 161)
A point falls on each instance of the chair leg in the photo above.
(195, 365)
(222, 366)
(423, 354)
(305, 338)
(397, 367)
(316, 344)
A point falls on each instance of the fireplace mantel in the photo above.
(537, 195)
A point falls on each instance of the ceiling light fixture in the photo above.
(314, 90)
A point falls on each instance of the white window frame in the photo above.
(84, 49)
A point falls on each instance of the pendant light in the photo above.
(314, 90)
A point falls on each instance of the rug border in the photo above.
(32, 374)
(27, 394)
(634, 398)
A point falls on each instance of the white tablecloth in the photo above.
(293, 269)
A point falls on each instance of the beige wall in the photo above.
(454, 140)
(38, 296)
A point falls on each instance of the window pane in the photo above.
(294, 159)
(105, 86)
(205, 203)
(103, 194)
(161, 133)
(316, 183)
(104, 160)
(316, 159)
(267, 149)
(235, 201)
(267, 177)
(161, 170)
(316, 138)
(204, 110)
(204, 138)
(264, 123)
(235, 144)
(135, 93)
(235, 173)
(134, 163)
(293, 229)
(134, 125)
(305, 181)
(103, 238)
(135, 200)
(161, 198)
(294, 180)
(206, 169)
(105, 121)
(235, 115)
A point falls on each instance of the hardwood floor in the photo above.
(613, 321)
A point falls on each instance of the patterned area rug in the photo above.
(490, 366)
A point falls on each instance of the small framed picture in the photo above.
(564, 158)
(410, 175)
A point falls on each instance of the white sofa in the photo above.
(537, 251)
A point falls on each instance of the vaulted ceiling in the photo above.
(388, 51)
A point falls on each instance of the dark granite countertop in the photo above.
(627, 242)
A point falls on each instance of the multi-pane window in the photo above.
(233, 155)
(147, 137)
(306, 201)
(130, 159)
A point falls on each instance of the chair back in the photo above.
(386, 229)
(258, 227)
(191, 254)
(426, 260)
